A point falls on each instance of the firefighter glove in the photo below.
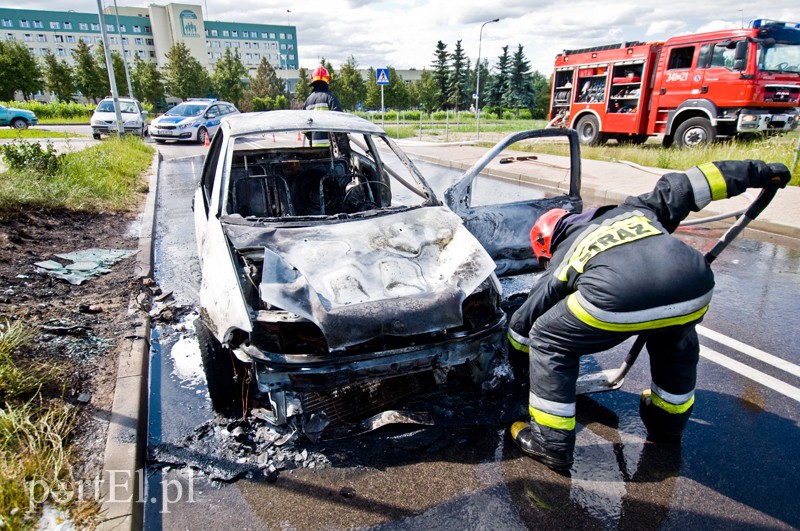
(763, 175)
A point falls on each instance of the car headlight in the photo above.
(748, 118)
(133, 123)
(185, 125)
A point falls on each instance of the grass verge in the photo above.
(102, 177)
(34, 133)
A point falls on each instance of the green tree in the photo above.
(351, 88)
(486, 80)
(333, 85)
(520, 88)
(147, 82)
(373, 97)
(102, 71)
(228, 75)
(19, 70)
(184, 75)
(267, 84)
(90, 80)
(497, 92)
(395, 94)
(302, 89)
(59, 77)
(458, 94)
(422, 92)
(541, 96)
(119, 73)
(441, 73)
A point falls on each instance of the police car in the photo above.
(194, 119)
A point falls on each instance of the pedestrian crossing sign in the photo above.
(382, 76)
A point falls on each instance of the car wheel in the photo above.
(695, 132)
(201, 135)
(225, 374)
(96, 136)
(19, 123)
(588, 129)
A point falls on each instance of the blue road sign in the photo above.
(382, 76)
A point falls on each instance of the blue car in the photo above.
(194, 120)
(17, 118)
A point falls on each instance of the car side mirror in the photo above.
(740, 55)
(145, 114)
(210, 115)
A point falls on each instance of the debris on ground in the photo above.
(85, 264)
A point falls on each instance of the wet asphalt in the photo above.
(734, 469)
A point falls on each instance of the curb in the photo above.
(123, 473)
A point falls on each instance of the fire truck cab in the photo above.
(691, 89)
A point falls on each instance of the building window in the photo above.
(7, 23)
(217, 55)
(215, 44)
(123, 29)
(227, 44)
(61, 52)
(290, 46)
(68, 25)
(263, 35)
(10, 37)
(109, 27)
(152, 53)
(113, 39)
(95, 27)
(209, 55)
(140, 54)
(289, 36)
(257, 55)
(225, 33)
(271, 35)
(55, 25)
(24, 24)
(247, 45)
(147, 29)
(127, 54)
(149, 42)
(213, 33)
(38, 24)
(283, 36)
(234, 33)
(139, 41)
(98, 40)
(125, 40)
(28, 37)
(58, 38)
(236, 44)
(291, 56)
(137, 29)
(86, 40)
(71, 39)
(246, 34)
(84, 26)
(283, 46)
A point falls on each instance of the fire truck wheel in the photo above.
(589, 131)
(695, 132)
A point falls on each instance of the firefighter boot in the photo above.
(525, 438)
(661, 425)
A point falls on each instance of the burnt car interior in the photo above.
(307, 181)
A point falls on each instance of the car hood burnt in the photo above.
(398, 274)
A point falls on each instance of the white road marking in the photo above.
(753, 352)
(749, 372)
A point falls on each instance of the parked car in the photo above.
(104, 118)
(17, 118)
(193, 120)
(335, 280)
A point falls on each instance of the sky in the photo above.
(403, 33)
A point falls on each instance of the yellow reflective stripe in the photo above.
(675, 409)
(608, 235)
(517, 345)
(551, 421)
(719, 190)
(578, 311)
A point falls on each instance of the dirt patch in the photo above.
(80, 327)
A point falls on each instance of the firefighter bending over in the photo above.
(617, 272)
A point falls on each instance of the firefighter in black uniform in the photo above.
(321, 98)
(616, 272)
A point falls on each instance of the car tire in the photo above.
(225, 374)
(96, 136)
(588, 129)
(19, 123)
(695, 132)
(201, 135)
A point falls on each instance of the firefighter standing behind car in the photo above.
(321, 98)
(617, 272)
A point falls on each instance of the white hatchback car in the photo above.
(194, 119)
(104, 119)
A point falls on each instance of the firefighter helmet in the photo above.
(320, 74)
(542, 232)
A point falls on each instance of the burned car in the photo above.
(334, 281)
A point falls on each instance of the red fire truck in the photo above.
(692, 89)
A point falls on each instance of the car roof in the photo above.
(121, 99)
(273, 121)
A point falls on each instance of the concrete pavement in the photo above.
(605, 182)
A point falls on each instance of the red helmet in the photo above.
(320, 74)
(542, 232)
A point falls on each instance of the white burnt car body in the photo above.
(330, 269)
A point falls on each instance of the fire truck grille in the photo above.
(782, 94)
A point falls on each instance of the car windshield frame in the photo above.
(125, 107)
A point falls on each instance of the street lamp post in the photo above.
(478, 77)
